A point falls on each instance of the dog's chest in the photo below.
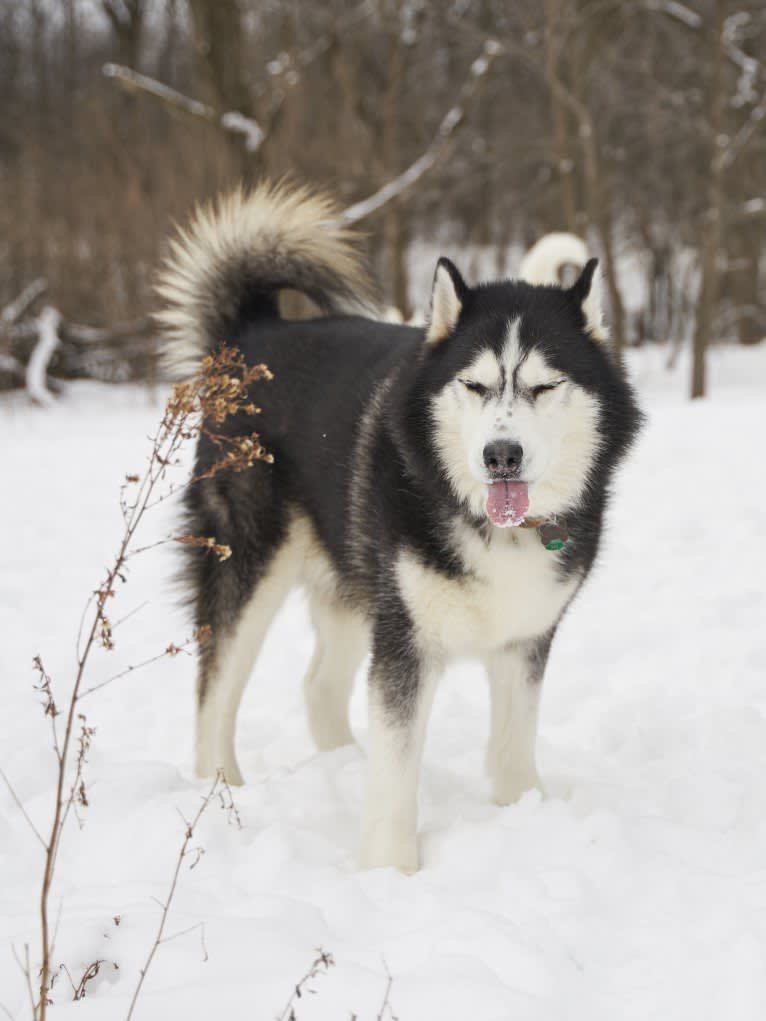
(512, 591)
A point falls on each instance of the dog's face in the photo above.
(516, 409)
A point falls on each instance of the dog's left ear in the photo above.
(586, 292)
(447, 299)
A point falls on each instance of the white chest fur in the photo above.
(512, 592)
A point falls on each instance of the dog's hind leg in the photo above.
(515, 679)
(342, 639)
(234, 646)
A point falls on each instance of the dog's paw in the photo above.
(508, 790)
(397, 851)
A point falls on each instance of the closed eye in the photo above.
(476, 388)
(545, 387)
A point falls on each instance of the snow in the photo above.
(636, 890)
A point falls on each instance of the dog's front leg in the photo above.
(516, 681)
(401, 687)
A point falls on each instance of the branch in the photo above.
(16, 309)
(234, 122)
(442, 142)
(48, 323)
(744, 135)
(684, 15)
(77, 333)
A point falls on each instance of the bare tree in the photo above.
(711, 230)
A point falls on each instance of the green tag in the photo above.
(555, 544)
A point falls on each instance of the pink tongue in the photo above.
(507, 503)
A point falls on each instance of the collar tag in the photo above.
(553, 536)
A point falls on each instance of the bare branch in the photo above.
(234, 122)
(16, 309)
(442, 142)
(77, 333)
(745, 135)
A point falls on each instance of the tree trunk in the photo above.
(394, 235)
(562, 143)
(218, 39)
(598, 201)
(711, 228)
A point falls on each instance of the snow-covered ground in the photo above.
(637, 890)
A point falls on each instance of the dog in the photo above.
(439, 490)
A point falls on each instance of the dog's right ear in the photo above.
(447, 299)
(586, 291)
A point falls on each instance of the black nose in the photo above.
(502, 457)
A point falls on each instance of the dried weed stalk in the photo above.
(186, 850)
(319, 966)
(201, 406)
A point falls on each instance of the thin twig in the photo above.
(441, 144)
(170, 651)
(27, 973)
(21, 808)
(131, 613)
(323, 960)
(185, 932)
(386, 1002)
(159, 938)
(15, 309)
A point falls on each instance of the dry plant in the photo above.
(201, 406)
(319, 966)
(220, 790)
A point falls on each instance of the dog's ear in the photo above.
(447, 299)
(586, 292)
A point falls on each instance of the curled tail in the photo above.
(235, 256)
(555, 259)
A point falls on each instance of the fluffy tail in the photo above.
(549, 259)
(229, 264)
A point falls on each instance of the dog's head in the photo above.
(517, 378)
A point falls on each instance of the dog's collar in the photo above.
(552, 535)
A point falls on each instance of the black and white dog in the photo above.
(438, 491)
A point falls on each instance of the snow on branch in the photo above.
(747, 65)
(78, 334)
(234, 122)
(680, 12)
(48, 323)
(450, 123)
(29, 346)
(15, 309)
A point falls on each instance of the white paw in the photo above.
(328, 734)
(508, 790)
(232, 775)
(395, 850)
